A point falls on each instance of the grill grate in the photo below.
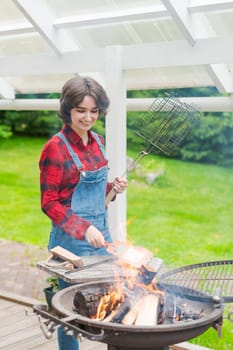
(214, 278)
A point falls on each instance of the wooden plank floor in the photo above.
(21, 332)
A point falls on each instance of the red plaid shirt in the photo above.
(59, 176)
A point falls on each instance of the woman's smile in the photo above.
(84, 116)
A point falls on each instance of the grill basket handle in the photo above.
(52, 322)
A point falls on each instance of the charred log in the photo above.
(86, 302)
(123, 310)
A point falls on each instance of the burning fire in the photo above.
(135, 299)
(125, 299)
(109, 302)
(129, 254)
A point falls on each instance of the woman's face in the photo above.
(84, 116)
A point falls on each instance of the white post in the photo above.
(116, 136)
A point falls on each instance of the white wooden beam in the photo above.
(116, 136)
(48, 64)
(216, 50)
(205, 104)
(6, 90)
(196, 6)
(17, 28)
(178, 53)
(221, 77)
(29, 104)
(192, 27)
(39, 16)
(179, 12)
(112, 17)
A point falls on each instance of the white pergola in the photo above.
(130, 44)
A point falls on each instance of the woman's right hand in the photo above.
(94, 237)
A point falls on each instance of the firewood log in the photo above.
(122, 311)
(110, 316)
(131, 316)
(149, 309)
(66, 255)
(86, 301)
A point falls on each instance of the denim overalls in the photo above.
(88, 201)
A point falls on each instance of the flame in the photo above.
(135, 282)
(110, 301)
(113, 299)
(129, 253)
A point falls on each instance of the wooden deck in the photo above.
(21, 332)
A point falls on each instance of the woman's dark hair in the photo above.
(74, 91)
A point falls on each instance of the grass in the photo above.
(21, 216)
(184, 217)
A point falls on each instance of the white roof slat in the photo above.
(17, 28)
(114, 17)
(38, 83)
(61, 9)
(15, 46)
(222, 77)
(38, 14)
(179, 12)
(209, 5)
(9, 13)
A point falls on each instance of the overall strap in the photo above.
(101, 146)
(72, 153)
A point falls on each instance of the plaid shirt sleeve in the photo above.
(58, 178)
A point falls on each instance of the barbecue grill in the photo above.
(203, 287)
(122, 337)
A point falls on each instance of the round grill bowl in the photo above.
(134, 337)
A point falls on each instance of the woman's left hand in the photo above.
(119, 185)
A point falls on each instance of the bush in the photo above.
(36, 123)
(212, 141)
(32, 123)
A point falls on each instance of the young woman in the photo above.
(73, 178)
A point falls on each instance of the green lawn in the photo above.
(185, 217)
(20, 212)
